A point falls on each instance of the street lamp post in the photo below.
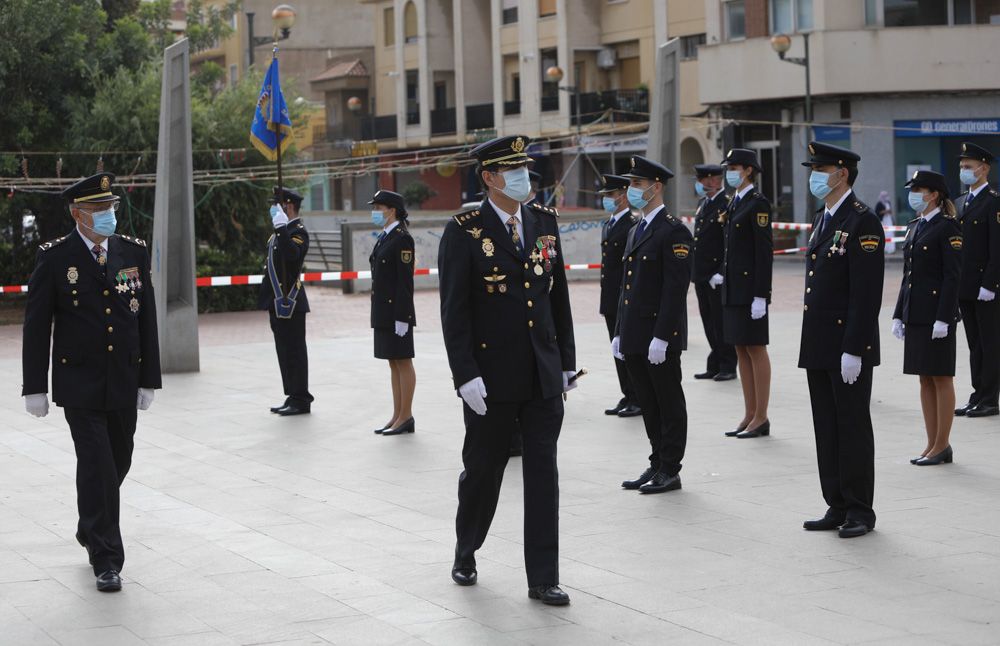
(781, 43)
(555, 74)
(283, 17)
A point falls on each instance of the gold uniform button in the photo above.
(805, 308)
(909, 286)
(74, 292)
(525, 265)
(531, 324)
(630, 258)
(925, 247)
(745, 273)
(626, 301)
(629, 272)
(868, 347)
(530, 304)
(63, 360)
(814, 256)
(106, 292)
(810, 273)
(644, 257)
(808, 289)
(110, 329)
(107, 310)
(934, 292)
(496, 269)
(628, 287)
(390, 300)
(527, 284)
(483, 346)
(111, 348)
(840, 322)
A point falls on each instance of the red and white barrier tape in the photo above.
(800, 226)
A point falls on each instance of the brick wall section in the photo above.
(757, 23)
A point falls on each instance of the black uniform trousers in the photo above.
(722, 357)
(623, 379)
(845, 442)
(664, 410)
(484, 457)
(293, 358)
(982, 331)
(103, 442)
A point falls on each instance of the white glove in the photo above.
(657, 351)
(850, 367)
(898, 329)
(567, 386)
(278, 216)
(37, 405)
(402, 328)
(986, 295)
(758, 309)
(715, 280)
(615, 352)
(144, 399)
(474, 394)
(940, 330)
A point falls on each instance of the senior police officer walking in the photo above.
(652, 324)
(508, 332)
(845, 268)
(94, 286)
(284, 297)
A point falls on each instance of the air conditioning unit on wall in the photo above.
(607, 58)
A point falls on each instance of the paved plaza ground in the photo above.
(245, 528)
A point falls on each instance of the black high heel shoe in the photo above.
(736, 431)
(379, 431)
(409, 426)
(944, 457)
(761, 431)
(917, 459)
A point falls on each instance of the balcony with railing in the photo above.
(511, 107)
(383, 127)
(479, 116)
(443, 121)
(628, 105)
(550, 103)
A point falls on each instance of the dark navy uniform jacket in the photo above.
(749, 253)
(709, 237)
(291, 244)
(505, 317)
(932, 262)
(981, 243)
(392, 280)
(104, 344)
(613, 240)
(843, 291)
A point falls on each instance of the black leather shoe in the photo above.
(630, 410)
(109, 581)
(286, 411)
(614, 410)
(379, 431)
(90, 553)
(661, 482)
(725, 376)
(409, 426)
(736, 431)
(982, 410)
(761, 431)
(708, 374)
(960, 412)
(645, 477)
(824, 524)
(917, 459)
(944, 457)
(549, 594)
(853, 529)
(464, 575)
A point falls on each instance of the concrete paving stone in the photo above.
(107, 636)
(366, 630)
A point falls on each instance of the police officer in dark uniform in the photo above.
(845, 267)
(652, 323)
(746, 289)
(706, 271)
(614, 236)
(927, 308)
(392, 313)
(283, 295)
(508, 332)
(979, 214)
(95, 287)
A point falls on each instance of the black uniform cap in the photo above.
(821, 154)
(503, 151)
(930, 180)
(611, 183)
(741, 157)
(707, 170)
(642, 168)
(91, 190)
(283, 195)
(972, 151)
(388, 198)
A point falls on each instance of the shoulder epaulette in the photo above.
(949, 216)
(994, 192)
(135, 241)
(860, 206)
(465, 219)
(52, 243)
(916, 219)
(544, 209)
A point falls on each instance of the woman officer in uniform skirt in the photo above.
(746, 289)
(392, 316)
(927, 308)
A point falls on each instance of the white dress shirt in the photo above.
(90, 244)
(504, 216)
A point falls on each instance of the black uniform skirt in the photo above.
(388, 345)
(739, 329)
(929, 357)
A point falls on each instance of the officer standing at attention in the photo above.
(979, 214)
(706, 271)
(652, 323)
(508, 332)
(392, 315)
(845, 268)
(95, 287)
(284, 297)
(614, 235)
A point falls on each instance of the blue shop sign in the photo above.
(831, 134)
(947, 127)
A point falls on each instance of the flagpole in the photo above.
(274, 55)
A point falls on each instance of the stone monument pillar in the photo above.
(664, 117)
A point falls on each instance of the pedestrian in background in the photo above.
(883, 209)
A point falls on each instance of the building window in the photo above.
(907, 13)
(546, 8)
(871, 13)
(550, 89)
(234, 75)
(410, 22)
(689, 46)
(389, 26)
(790, 16)
(412, 98)
(735, 19)
(509, 12)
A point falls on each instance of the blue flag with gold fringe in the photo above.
(271, 122)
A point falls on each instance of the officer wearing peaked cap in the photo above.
(652, 324)
(283, 295)
(979, 283)
(845, 268)
(508, 333)
(90, 299)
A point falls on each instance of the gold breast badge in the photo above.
(488, 247)
(72, 275)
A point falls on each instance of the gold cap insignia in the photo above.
(105, 183)
(632, 161)
(812, 151)
(518, 145)
(729, 154)
(965, 148)
(915, 173)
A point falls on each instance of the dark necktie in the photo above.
(827, 216)
(968, 200)
(920, 228)
(98, 251)
(640, 230)
(736, 203)
(515, 236)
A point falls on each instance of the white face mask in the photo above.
(517, 184)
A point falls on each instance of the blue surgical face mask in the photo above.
(517, 184)
(734, 178)
(699, 188)
(967, 176)
(635, 197)
(378, 218)
(818, 184)
(609, 204)
(917, 201)
(104, 223)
